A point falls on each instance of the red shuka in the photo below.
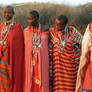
(15, 60)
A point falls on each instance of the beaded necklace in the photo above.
(62, 43)
(4, 32)
(57, 38)
(36, 37)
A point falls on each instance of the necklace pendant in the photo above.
(62, 48)
(4, 42)
(36, 40)
(63, 43)
(59, 50)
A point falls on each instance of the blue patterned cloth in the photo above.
(86, 90)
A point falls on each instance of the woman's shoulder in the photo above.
(44, 28)
(17, 23)
(27, 30)
(52, 29)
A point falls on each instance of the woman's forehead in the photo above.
(9, 8)
(59, 21)
(30, 16)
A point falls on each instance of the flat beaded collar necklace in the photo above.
(36, 37)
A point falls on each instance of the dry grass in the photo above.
(78, 16)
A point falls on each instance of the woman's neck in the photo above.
(8, 22)
(61, 31)
(36, 26)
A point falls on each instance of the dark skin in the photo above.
(32, 21)
(60, 26)
(8, 14)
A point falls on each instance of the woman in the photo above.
(36, 55)
(11, 53)
(64, 56)
(84, 78)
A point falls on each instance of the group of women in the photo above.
(43, 59)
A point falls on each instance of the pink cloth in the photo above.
(87, 83)
(84, 77)
(44, 61)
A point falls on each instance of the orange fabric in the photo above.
(64, 63)
(35, 75)
(87, 84)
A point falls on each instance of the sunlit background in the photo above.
(67, 2)
(79, 12)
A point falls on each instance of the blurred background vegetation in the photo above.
(79, 16)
